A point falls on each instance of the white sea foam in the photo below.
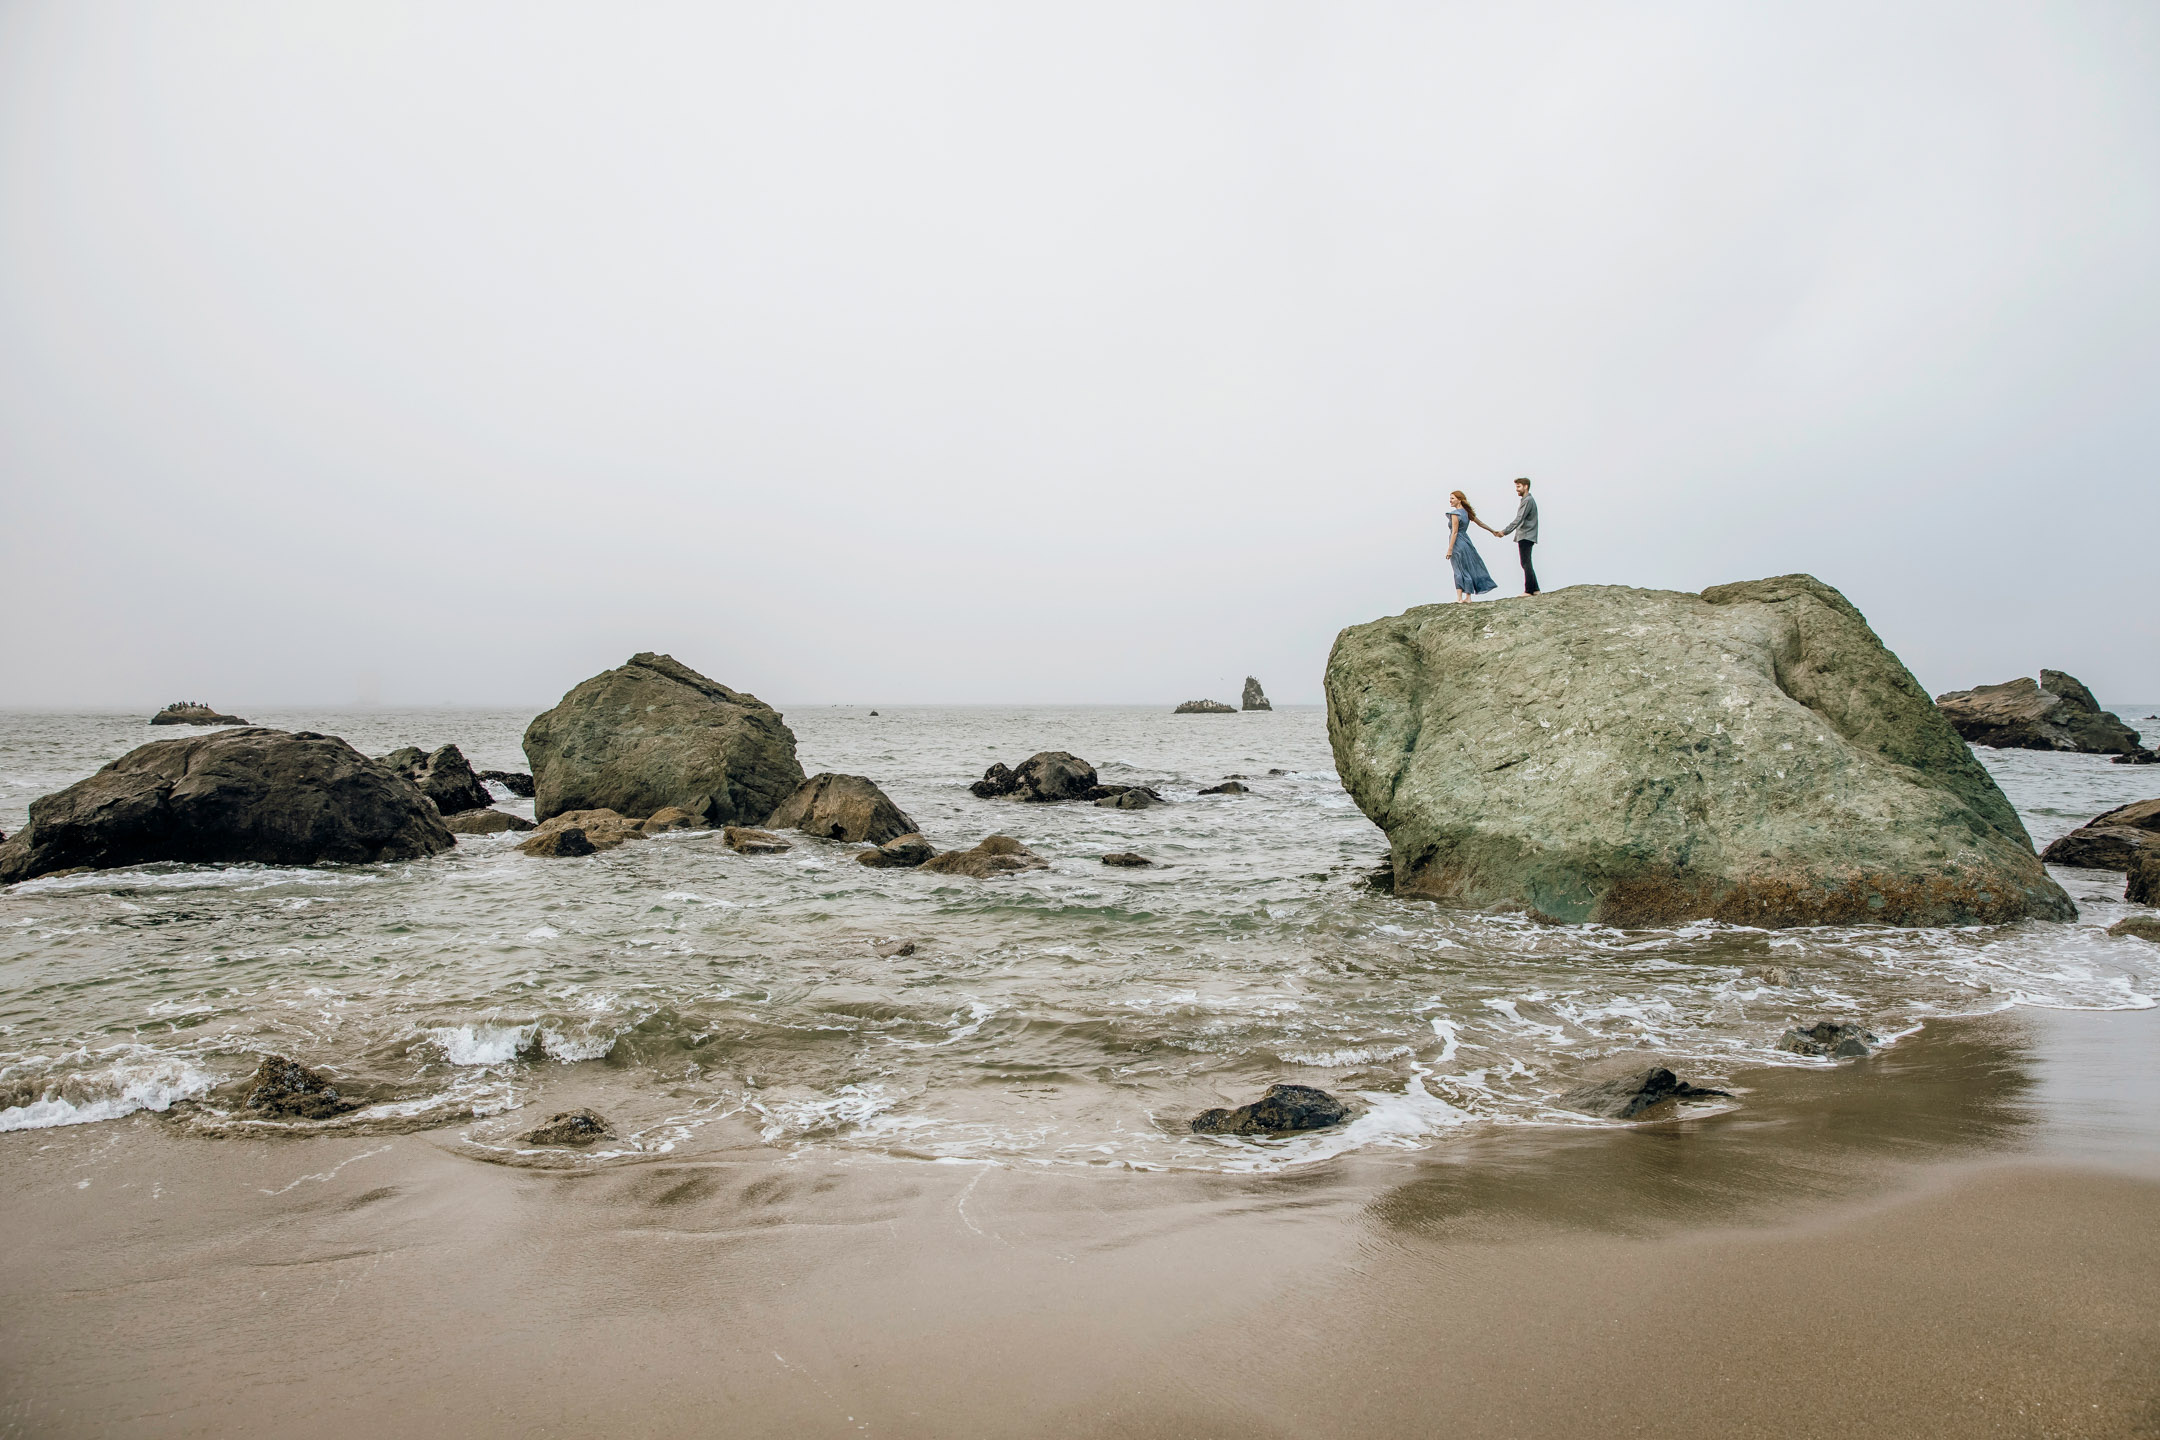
(481, 1044)
(122, 1089)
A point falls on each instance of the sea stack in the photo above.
(2059, 713)
(1255, 697)
(1751, 754)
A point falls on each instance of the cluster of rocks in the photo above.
(193, 712)
(2058, 713)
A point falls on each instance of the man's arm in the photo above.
(1521, 511)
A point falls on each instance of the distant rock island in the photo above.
(2059, 713)
(193, 712)
(1205, 707)
(1255, 697)
(1645, 757)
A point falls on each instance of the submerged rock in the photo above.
(237, 796)
(570, 1127)
(443, 776)
(749, 840)
(654, 733)
(1255, 697)
(2138, 757)
(517, 782)
(841, 807)
(485, 822)
(902, 852)
(1129, 797)
(1282, 1109)
(2138, 927)
(2142, 885)
(1838, 1039)
(1645, 757)
(2059, 713)
(189, 712)
(1629, 1096)
(596, 829)
(1205, 707)
(1228, 787)
(1126, 859)
(894, 949)
(996, 855)
(289, 1089)
(2111, 841)
(1043, 778)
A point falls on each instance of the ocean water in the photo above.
(1078, 1015)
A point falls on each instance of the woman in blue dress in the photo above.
(1472, 579)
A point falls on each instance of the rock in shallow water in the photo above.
(2110, 841)
(1836, 1039)
(1126, 859)
(597, 830)
(287, 1088)
(570, 1127)
(443, 776)
(653, 733)
(2059, 713)
(996, 855)
(1646, 757)
(841, 807)
(2140, 927)
(1628, 1097)
(1284, 1108)
(485, 822)
(902, 852)
(517, 782)
(674, 817)
(1043, 778)
(564, 842)
(748, 840)
(237, 796)
(1228, 787)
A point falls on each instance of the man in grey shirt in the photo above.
(1524, 527)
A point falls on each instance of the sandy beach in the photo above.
(1952, 1238)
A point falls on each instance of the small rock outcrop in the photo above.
(2059, 713)
(517, 782)
(749, 840)
(996, 855)
(1228, 787)
(1283, 1109)
(570, 1127)
(596, 830)
(1127, 797)
(1630, 1096)
(1043, 778)
(2137, 927)
(903, 852)
(193, 712)
(1255, 697)
(289, 1090)
(1751, 754)
(674, 817)
(1205, 707)
(841, 807)
(2112, 841)
(1126, 860)
(653, 733)
(485, 822)
(443, 776)
(236, 796)
(1836, 1039)
(2142, 885)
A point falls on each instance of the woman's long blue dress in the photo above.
(1471, 576)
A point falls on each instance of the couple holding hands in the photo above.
(1472, 579)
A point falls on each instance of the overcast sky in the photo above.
(453, 352)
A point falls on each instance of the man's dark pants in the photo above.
(1529, 576)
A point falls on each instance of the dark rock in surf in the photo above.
(1130, 797)
(289, 1090)
(2110, 841)
(1283, 1109)
(1381, 877)
(748, 840)
(2142, 885)
(1255, 697)
(1228, 787)
(653, 733)
(570, 1127)
(485, 822)
(2138, 927)
(996, 855)
(443, 776)
(1836, 1039)
(1205, 707)
(902, 852)
(2059, 713)
(189, 713)
(235, 796)
(1630, 1096)
(565, 842)
(517, 782)
(841, 807)
(1126, 859)
(1044, 778)
(2137, 757)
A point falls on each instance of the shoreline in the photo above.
(1952, 1237)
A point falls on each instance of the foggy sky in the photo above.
(891, 353)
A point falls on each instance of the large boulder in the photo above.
(1750, 754)
(1255, 697)
(1044, 778)
(443, 776)
(841, 807)
(654, 733)
(2059, 713)
(193, 712)
(233, 796)
(2111, 841)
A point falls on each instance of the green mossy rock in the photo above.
(1751, 754)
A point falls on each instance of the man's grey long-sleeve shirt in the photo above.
(1524, 525)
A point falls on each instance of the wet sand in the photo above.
(1959, 1237)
